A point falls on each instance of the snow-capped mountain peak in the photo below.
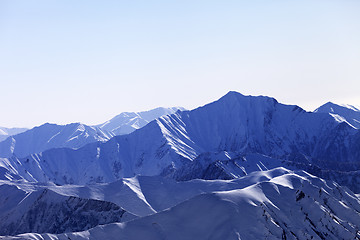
(342, 112)
(127, 122)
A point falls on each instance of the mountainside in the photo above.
(127, 122)
(209, 142)
(49, 136)
(276, 204)
(342, 113)
(6, 132)
(46, 211)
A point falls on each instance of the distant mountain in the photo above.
(275, 204)
(342, 113)
(23, 142)
(210, 142)
(49, 136)
(127, 122)
(6, 132)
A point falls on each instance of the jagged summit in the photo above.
(235, 99)
(233, 96)
(127, 122)
(342, 113)
(330, 106)
(327, 106)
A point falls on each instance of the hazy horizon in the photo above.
(144, 110)
(86, 61)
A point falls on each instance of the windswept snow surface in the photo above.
(145, 195)
(274, 204)
(127, 122)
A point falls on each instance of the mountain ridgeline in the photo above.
(348, 113)
(127, 122)
(213, 141)
(274, 204)
(22, 142)
(82, 182)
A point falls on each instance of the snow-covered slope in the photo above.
(208, 142)
(6, 132)
(46, 211)
(49, 136)
(127, 122)
(277, 204)
(342, 113)
(143, 195)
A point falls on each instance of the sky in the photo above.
(64, 61)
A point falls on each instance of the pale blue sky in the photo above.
(86, 61)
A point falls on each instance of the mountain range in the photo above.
(23, 142)
(241, 167)
(207, 142)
